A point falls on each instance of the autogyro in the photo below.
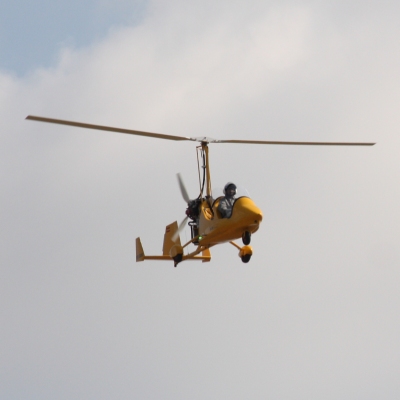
(208, 227)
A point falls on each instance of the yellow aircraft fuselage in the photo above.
(213, 229)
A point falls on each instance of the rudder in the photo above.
(170, 230)
(139, 250)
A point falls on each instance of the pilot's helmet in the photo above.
(228, 185)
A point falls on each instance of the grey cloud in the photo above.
(313, 315)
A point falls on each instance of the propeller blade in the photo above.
(180, 227)
(296, 143)
(106, 128)
(183, 188)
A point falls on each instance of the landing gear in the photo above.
(245, 252)
(246, 238)
(177, 259)
(246, 258)
(176, 253)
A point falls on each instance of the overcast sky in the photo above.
(316, 312)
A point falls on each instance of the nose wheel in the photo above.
(246, 238)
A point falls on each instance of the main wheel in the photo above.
(246, 238)
(246, 258)
(177, 259)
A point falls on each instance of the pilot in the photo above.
(226, 203)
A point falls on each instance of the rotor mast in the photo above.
(204, 146)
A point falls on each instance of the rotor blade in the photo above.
(180, 227)
(172, 137)
(106, 128)
(297, 143)
(183, 188)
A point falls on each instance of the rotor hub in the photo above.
(205, 139)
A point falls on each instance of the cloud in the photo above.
(316, 305)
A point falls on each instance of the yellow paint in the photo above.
(170, 230)
(246, 216)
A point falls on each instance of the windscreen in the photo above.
(240, 191)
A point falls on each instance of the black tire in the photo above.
(177, 259)
(246, 258)
(246, 238)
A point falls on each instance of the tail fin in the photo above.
(206, 253)
(139, 250)
(170, 230)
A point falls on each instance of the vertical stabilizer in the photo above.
(170, 230)
(206, 253)
(139, 250)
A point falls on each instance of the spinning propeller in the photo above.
(183, 188)
(187, 200)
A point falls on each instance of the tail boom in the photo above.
(168, 247)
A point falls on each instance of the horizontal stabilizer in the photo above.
(168, 243)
